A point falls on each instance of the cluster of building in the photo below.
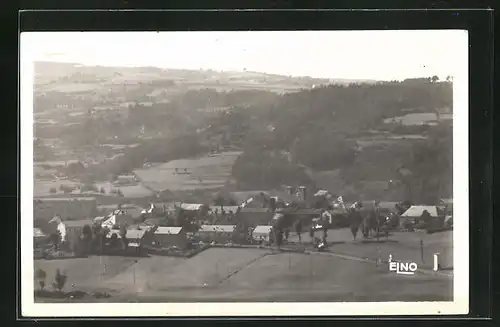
(250, 214)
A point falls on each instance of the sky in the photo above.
(380, 55)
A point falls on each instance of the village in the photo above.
(288, 220)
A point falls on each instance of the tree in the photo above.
(59, 280)
(87, 238)
(123, 235)
(55, 239)
(75, 168)
(41, 275)
(434, 79)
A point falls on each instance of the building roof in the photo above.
(37, 232)
(262, 229)
(226, 208)
(168, 230)
(191, 206)
(447, 201)
(217, 228)
(416, 211)
(135, 233)
(144, 227)
(78, 223)
(321, 193)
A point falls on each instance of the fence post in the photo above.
(422, 250)
(436, 262)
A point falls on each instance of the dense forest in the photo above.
(283, 137)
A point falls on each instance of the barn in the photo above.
(165, 237)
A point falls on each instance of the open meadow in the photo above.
(245, 274)
(195, 173)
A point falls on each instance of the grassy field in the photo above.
(402, 245)
(419, 118)
(204, 172)
(246, 275)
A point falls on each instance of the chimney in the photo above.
(303, 192)
(289, 190)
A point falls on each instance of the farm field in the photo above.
(196, 173)
(404, 246)
(42, 188)
(247, 275)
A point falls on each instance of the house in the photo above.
(262, 233)
(170, 237)
(138, 237)
(135, 237)
(119, 217)
(216, 233)
(191, 206)
(39, 237)
(414, 213)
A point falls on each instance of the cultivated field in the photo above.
(205, 172)
(219, 274)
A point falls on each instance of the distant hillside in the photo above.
(52, 76)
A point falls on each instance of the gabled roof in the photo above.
(262, 229)
(168, 230)
(217, 228)
(37, 232)
(135, 233)
(191, 206)
(416, 211)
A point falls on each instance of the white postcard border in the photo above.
(460, 304)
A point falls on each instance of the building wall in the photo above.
(66, 208)
(261, 236)
(218, 237)
(167, 240)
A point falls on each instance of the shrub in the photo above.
(41, 275)
(59, 280)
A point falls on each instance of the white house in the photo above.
(262, 233)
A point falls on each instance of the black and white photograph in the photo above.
(244, 173)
